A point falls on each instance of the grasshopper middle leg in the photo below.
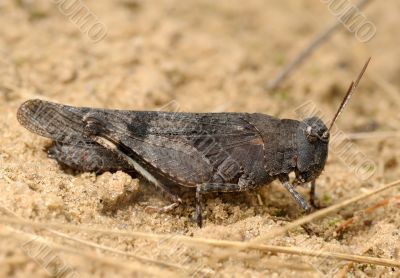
(295, 195)
(244, 184)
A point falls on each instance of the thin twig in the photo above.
(342, 273)
(116, 251)
(323, 212)
(345, 224)
(308, 50)
(218, 243)
(117, 263)
(104, 248)
(348, 266)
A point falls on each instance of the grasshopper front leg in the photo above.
(295, 195)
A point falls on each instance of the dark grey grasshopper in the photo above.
(187, 152)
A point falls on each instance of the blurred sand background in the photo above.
(207, 56)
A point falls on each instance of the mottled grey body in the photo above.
(206, 152)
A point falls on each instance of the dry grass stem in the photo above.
(213, 242)
(323, 212)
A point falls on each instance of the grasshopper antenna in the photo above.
(350, 91)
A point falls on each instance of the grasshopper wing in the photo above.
(188, 148)
(59, 122)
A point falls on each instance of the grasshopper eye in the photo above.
(311, 136)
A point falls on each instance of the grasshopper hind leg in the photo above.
(176, 201)
(87, 157)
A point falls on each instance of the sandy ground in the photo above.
(206, 56)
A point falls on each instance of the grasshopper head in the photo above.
(312, 149)
(313, 139)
